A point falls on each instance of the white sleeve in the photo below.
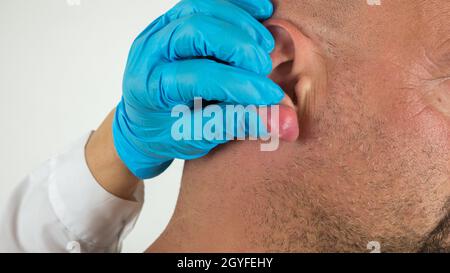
(61, 208)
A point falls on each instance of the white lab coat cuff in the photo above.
(87, 210)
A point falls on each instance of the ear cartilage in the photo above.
(304, 97)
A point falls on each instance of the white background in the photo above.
(61, 67)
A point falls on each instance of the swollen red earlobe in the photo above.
(283, 124)
(288, 126)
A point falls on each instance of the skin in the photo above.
(105, 164)
(371, 87)
(372, 161)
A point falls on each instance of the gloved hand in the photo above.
(213, 49)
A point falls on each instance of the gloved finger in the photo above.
(181, 82)
(260, 9)
(242, 122)
(220, 9)
(214, 125)
(204, 36)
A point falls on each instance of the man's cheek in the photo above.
(433, 125)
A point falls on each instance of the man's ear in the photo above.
(298, 66)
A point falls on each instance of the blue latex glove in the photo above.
(165, 68)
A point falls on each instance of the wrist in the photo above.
(106, 165)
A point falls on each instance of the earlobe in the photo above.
(298, 67)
